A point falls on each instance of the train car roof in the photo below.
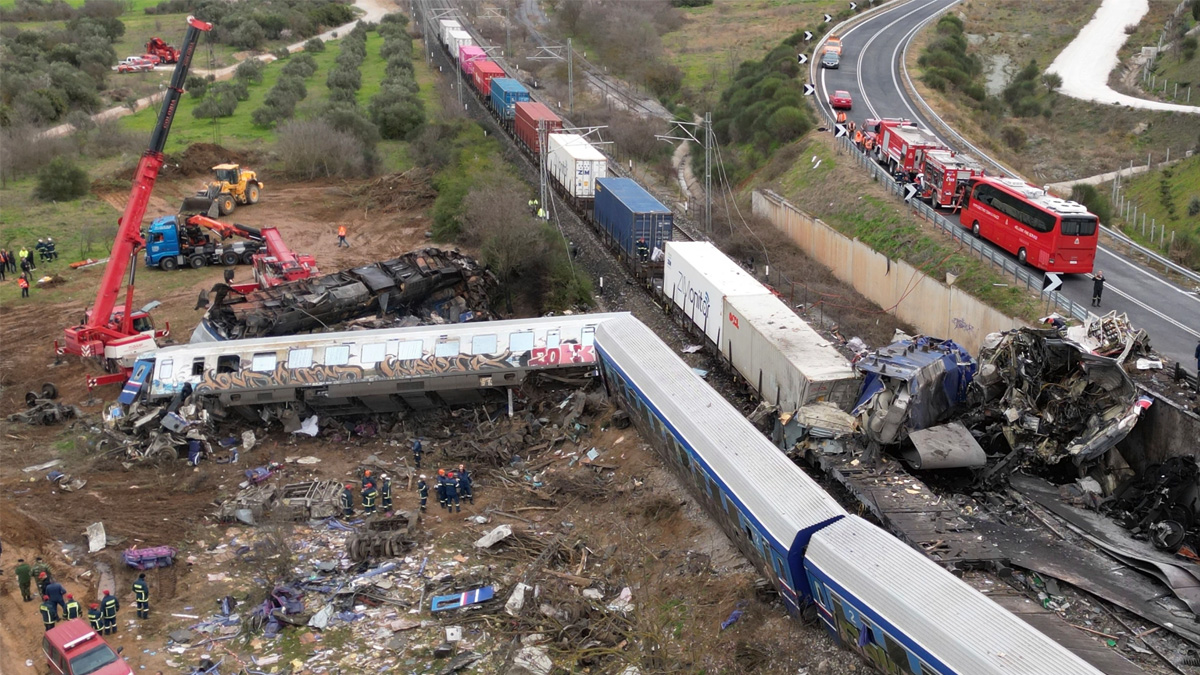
(811, 353)
(772, 489)
(382, 334)
(916, 597)
(631, 194)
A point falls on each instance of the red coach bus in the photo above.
(1051, 234)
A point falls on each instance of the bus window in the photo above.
(372, 353)
(483, 344)
(447, 348)
(410, 350)
(1079, 227)
(338, 355)
(263, 362)
(300, 358)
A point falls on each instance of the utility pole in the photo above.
(570, 80)
(688, 133)
(543, 184)
(556, 53)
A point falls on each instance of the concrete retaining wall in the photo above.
(922, 301)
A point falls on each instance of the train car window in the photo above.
(300, 358)
(484, 344)
(553, 339)
(898, 655)
(520, 342)
(447, 348)
(927, 669)
(228, 364)
(198, 366)
(730, 507)
(588, 336)
(410, 350)
(166, 369)
(338, 355)
(264, 362)
(372, 353)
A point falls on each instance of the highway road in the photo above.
(872, 55)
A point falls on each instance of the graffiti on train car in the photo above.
(567, 353)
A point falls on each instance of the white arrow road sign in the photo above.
(807, 35)
(809, 90)
(803, 59)
(841, 130)
(909, 191)
(1052, 282)
(828, 18)
(853, 6)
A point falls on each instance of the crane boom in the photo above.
(101, 327)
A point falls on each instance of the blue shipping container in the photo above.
(506, 94)
(628, 213)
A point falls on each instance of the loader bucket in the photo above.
(204, 205)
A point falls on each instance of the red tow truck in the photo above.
(116, 336)
(944, 177)
(165, 52)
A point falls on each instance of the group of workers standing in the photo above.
(59, 605)
(23, 259)
(453, 488)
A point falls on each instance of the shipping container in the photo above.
(482, 74)
(444, 28)
(697, 276)
(456, 40)
(506, 93)
(528, 115)
(467, 56)
(787, 362)
(627, 214)
(575, 164)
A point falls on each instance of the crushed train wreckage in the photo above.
(429, 282)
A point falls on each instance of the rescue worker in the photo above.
(841, 117)
(1055, 322)
(40, 247)
(24, 578)
(417, 450)
(47, 610)
(95, 618)
(385, 493)
(41, 572)
(452, 493)
(643, 251)
(195, 451)
(74, 609)
(51, 253)
(441, 488)
(369, 494)
(141, 596)
(109, 606)
(858, 138)
(24, 284)
(1097, 288)
(541, 213)
(23, 255)
(348, 500)
(367, 479)
(3, 264)
(464, 484)
(29, 257)
(422, 491)
(56, 593)
(342, 237)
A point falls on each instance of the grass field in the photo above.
(1145, 190)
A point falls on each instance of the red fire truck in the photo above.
(944, 177)
(902, 147)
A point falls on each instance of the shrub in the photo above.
(250, 71)
(788, 123)
(397, 112)
(270, 114)
(303, 66)
(312, 148)
(1095, 202)
(291, 85)
(249, 35)
(1052, 81)
(352, 120)
(61, 180)
(1194, 207)
(221, 101)
(343, 77)
(195, 85)
(314, 45)
(1014, 137)
(281, 53)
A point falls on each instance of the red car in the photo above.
(73, 648)
(840, 100)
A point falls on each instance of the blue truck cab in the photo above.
(162, 241)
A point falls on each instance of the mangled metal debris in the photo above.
(1041, 398)
(43, 410)
(384, 538)
(440, 286)
(1111, 335)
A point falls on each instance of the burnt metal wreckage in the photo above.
(441, 286)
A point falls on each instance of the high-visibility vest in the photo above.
(341, 230)
(74, 609)
(47, 615)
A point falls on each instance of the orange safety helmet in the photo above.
(367, 472)
(441, 472)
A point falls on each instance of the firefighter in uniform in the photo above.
(452, 492)
(47, 611)
(423, 491)
(95, 618)
(141, 596)
(418, 450)
(109, 606)
(367, 479)
(74, 609)
(368, 499)
(348, 500)
(385, 492)
(441, 488)
(643, 251)
(465, 488)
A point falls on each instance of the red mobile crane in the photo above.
(165, 52)
(118, 336)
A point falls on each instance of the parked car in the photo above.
(840, 100)
(73, 648)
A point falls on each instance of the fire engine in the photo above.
(944, 177)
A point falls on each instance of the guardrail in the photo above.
(1167, 264)
(1031, 279)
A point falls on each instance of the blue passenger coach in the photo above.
(767, 506)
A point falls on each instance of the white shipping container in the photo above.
(697, 276)
(447, 25)
(456, 39)
(782, 357)
(575, 164)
